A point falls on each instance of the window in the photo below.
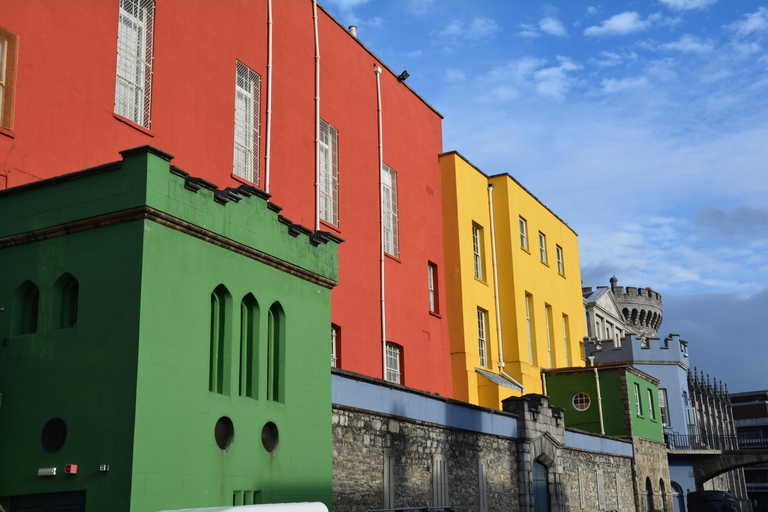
(440, 481)
(565, 339)
(133, 84)
(477, 250)
(9, 44)
(249, 346)
(481, 322)
(523, 233)
(432, 276)
(559, 253)
(393, 372)
(581, 401)
(663, 407)
(26, 305)
(335, 344)
(528, 325)
(329, 173)
(543, 247)
(247, 119)
(548, 322)
(218, 363)
(275, 353)
(651, 408)
(65, 297)
(389, 196)
(638, 404)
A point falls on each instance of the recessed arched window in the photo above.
(663, 495)
(276, 353)
(249, 346)
(66, 291)
(26, 304)
(220, 346)
(649, 494)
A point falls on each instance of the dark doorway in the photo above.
(58, 502)
(540, 488)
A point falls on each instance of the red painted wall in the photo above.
(64, 122)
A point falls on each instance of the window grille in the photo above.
(481, 337)
(8, 54)
(581, 401)
(329, 173)
(133, 84)
(523, 233)
(392, 373)
(559, 251)
(247, 120)
(478, 257)
(389, 196)
(543, 247)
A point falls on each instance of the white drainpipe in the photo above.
(267, 135)
(599, 396)
(377, 71)
(496, 294)
(317, 119)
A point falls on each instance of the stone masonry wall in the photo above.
(650, 463)
(596, 481)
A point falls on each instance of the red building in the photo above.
(82, 80)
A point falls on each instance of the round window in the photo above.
(581, 401)
(54, 435)
(269, 436)
(224, 432)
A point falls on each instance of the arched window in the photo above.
(66, 291)
(663, 495)
(276, 353)
(678, 498)
(220, 346)
(649, 494)
(26, 304)
(249, 346)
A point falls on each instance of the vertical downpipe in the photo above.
(377, 71)
(317, 118)
(268, 134)
(599, 396)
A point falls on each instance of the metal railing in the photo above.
(677, 441)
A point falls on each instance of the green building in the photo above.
(163, 344)
(618, 401)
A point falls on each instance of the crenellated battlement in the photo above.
(641, 307)
(633, 348)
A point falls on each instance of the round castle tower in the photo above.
(641, 308)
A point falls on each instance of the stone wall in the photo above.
(596, 481)
(650, 464)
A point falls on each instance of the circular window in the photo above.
(269, 437)
(54, 435)
(224, 432)
(581, 401)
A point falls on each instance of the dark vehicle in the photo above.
(712, 501)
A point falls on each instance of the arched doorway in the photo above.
(540, 487)
(649, 495)
(678, 498)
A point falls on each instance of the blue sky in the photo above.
(643, 124)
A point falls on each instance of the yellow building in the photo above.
(499, 236)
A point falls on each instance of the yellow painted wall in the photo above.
(466, 202)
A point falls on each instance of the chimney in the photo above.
(353, 30)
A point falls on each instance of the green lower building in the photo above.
(163, 344)
(618, 401)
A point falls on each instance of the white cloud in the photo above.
(757, 22)
(553, 27)
(611, 59)
(620, 25)
(555, 81)
(478, 29)
(528, 31)
(690, 44)
(531, 77)
(420, 7)
(482, 27)
(612, 86)
(591, 10)
(685, 5)
(454, 75)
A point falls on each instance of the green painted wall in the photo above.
(131, 378)
(645, 425)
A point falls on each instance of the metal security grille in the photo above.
(133, 84)
(8, 53)
(389, 196)
(329, 173)
(247, 121)
(481, 337)
(392, 373)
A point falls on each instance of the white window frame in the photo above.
(482, 316)
(329, 173)
(334, 347)
(389, 197)
(432, 276)
(638, 403)
(528, 324)
(523, 233)
(565, 338)
(581, 401)
(559, 254)
(392, 364)
(3, 75)
(247, 120)
(543, 247)
(477, 248)
(663, 408)
(547, 314)
(133, 80)
(651, 409)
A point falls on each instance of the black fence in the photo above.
(677, 441)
